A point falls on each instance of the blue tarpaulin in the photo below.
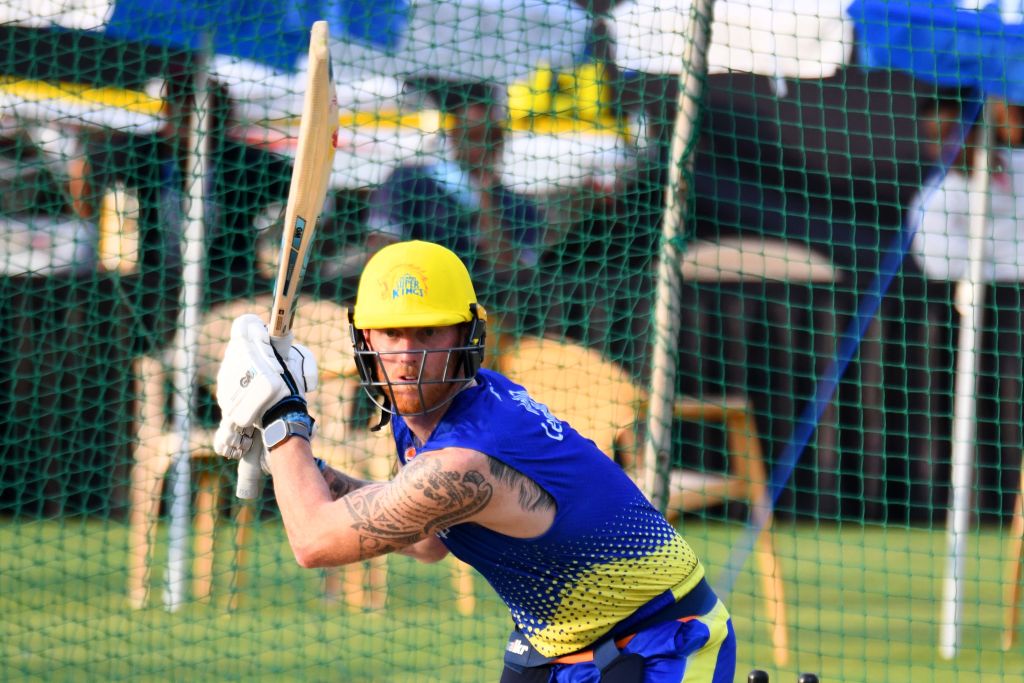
(497, 40)
(375, 23)
(940, 42)
(270, 32)
(250, 29)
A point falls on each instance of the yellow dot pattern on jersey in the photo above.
(605, 593)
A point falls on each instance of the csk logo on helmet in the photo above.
(407, 285)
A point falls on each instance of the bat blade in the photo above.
(311, 172)
(314, 157)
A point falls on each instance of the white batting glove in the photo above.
(252, 380)
(234, 443)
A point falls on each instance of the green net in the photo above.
(816, 323)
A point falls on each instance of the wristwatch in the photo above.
(285, 427)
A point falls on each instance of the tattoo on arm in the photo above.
(531, 496)
(425, 498)
(341, 484)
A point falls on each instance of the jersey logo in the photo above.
(551, 425)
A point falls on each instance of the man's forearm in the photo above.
(340, 483)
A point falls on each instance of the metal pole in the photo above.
(970, 304)
(187, 339)
(658, 443)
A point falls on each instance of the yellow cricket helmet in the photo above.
(414, 284)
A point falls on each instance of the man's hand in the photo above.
(234, 443)
(254, 380)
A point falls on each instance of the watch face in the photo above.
(274, 433)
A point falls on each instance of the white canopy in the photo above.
(787, 38)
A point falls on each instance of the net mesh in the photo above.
(820, 360)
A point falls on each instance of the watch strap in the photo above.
(283, 408)
(295, 423)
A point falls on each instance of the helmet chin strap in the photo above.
(385, 415)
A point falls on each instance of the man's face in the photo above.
(413, 361)
(476, 136)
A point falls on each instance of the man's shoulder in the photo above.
(455, 458)
(493, 388)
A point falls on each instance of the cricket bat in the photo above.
(314, 157)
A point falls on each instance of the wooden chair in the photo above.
(320, 325)
(746, 267)
(599, 399)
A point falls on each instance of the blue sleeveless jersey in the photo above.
(609, 560)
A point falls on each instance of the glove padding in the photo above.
(234, 443)
(254, 385)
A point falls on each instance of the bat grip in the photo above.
(283, 343)
(249, 474)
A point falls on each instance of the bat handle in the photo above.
(282, 344)
(250, 475)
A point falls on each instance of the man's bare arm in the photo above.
(342, 484)
(429, 550)
(431, 493)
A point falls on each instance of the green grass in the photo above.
(863, 606)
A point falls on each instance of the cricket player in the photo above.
(599, 585)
